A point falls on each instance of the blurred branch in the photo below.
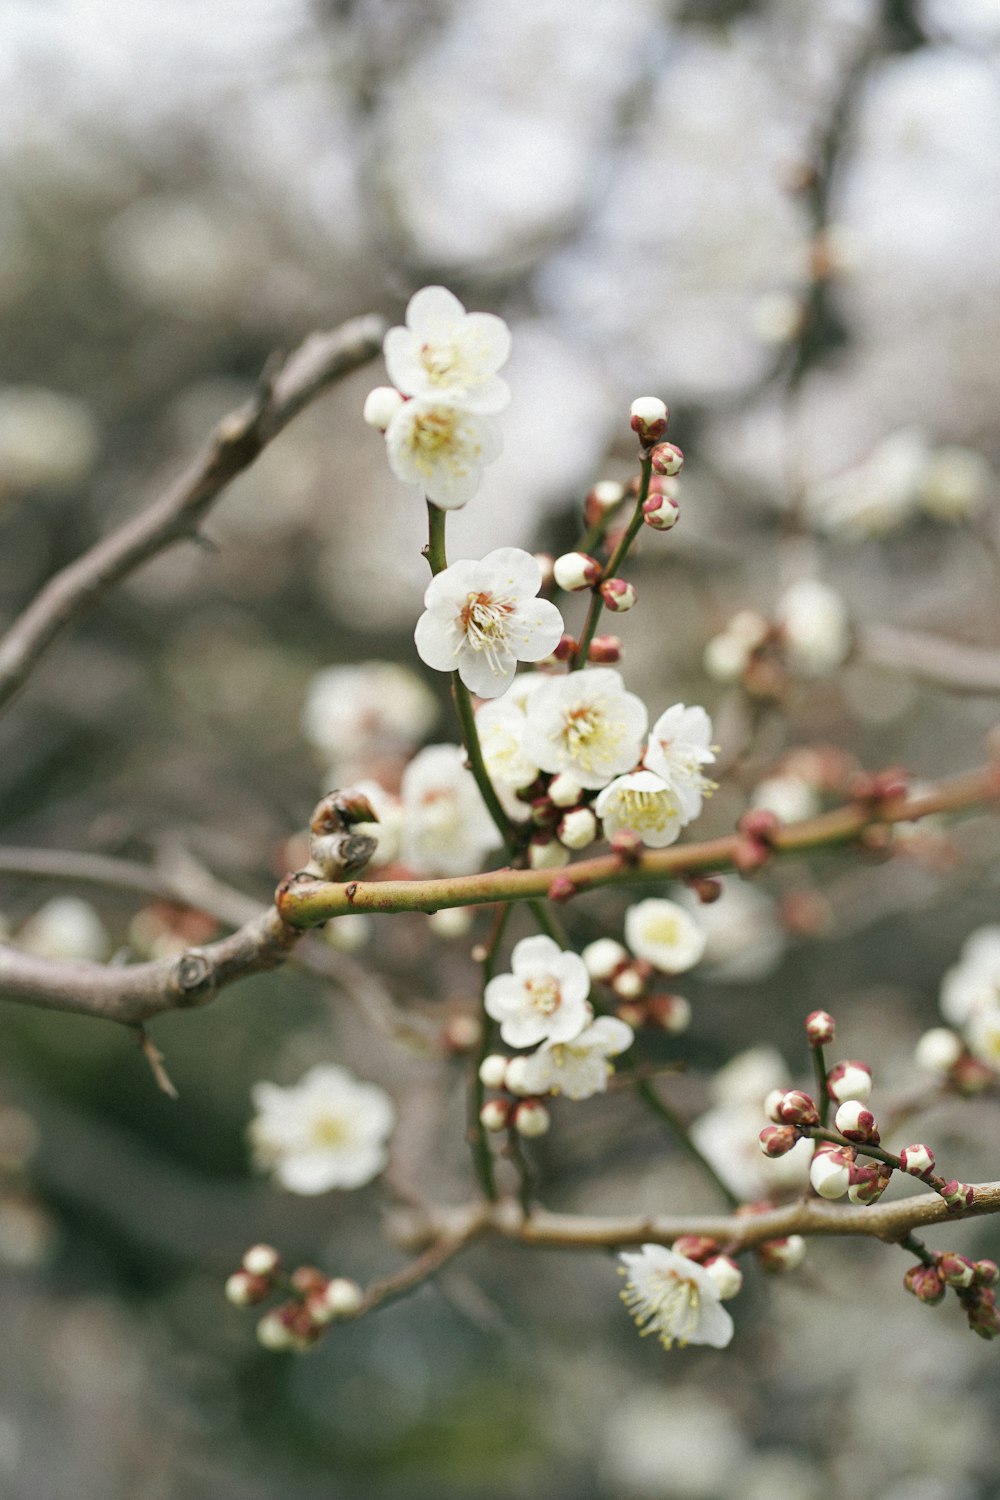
(286, 387)
(931, 658)
(304, 901)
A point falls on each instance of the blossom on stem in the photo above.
(544, 998)
(446, 353)
(815, 626)
(446, 827)
(442, 449)
(680, 744)
(643, 803)
(326, 1131)
(578, 1068)
(587, 725)
(675, 1298)
(482, 618)
(664, 934)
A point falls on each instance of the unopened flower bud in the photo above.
(671, 1013)
(574, 571)
(796, 1108)
(648, 418)
(516, 1076)
(667, 459)
(849, 1080)
(244, 1290)
(343, 1296)
(925, 1283)
(578, 828)
(782, 1255)
(605, 496)
(708, 888)
(603, 957)
(869, 1182)
(493, 1071)
(957, 1195)
(726, 1274)
(308, 1280)
(531, 1118)
(628, 983)
(955, 1269)
(660, 511)
(605, 649)
(261, 1260)
(971, 1076)
(987, 1273)
(771, 1102)
(830, 1174)
(856, 1122)
(381, 405)
(618, 594)
(564, 791)
(695, 1247)
(627, 844)
(564, 649)
(274, 1333)
(778, 1140)
(494, 1114)
(820, 1028)
(547, 854)
(938, 1050)
(726, 658)
(917, 1160)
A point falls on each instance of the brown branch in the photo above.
(304, 902)
(177, 514)
(948, 664)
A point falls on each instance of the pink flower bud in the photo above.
(627, 844)
(577, 828)
(987, 1273)
(830, 1174)
(563, 888)
(574, 571)
(782, 1255)
(605, 649)
(955, 1269)
(648, 418)
(957, 1195)
(531, 1118)
(494, 1114)
(925, 1283)
(856, 1122)
(778, 1140)
(667, 459)
(493, 1070)
(565, 648)
(618, 594)
(820, 1028)
(605, 496)
(726, 1274)
(796, 1108)
(917, 1160)
(671, 1013)
(983, 1314)
(244, 1290)
(696, 1246)
(849, 1080)
(869, 1182)
(661, 511)
(261, 1260)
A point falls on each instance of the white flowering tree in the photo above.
(560, 781)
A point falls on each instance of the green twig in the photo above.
(657, 1106)
(611, 570)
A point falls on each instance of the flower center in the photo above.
(329, 1130)
(543, 994)
(663, 931)
(667, 1305)
(647, 809)
(586, 734)
(440, 361)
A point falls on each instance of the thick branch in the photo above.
(305, 902)
(237, 441)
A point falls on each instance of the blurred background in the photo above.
(782, 218)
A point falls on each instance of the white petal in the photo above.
(487, 676)
(435, 642)
(432, 310)
(534, 955)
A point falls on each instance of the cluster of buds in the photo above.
(974, 1283)
(707, 1252)
(336, 849)
(649, 418)
(628, 979)
(513, 1108)
(314, 1301)
(943, 1053)
(562, 821)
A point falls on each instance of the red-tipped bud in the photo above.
(696, 1246)
(531, 1118)
(574, 571)
(563, 888)
(750, 855)
(340, 1298)
(726, 1274)
(618, 594)
(604, 957)
(917, 1160)
(493, 1071)
(956, 1270)
(648, 418)
(671, 1013)
(627, 844)
(830, 1173)
(708, 888)
(667, 459)
(849, 1080)
(856, 1122)
(261, 1260)
(820, 1028)
(577, 828)
(605, 496)
(987, 1273)
(516, 1077)
(869, 1182)
(605, 649)
(957, 1195)
(925, 1283)
(629, 982)
(759, 823)
(308, 1280)
(782, 1255)
(495, 1114)
(778, 1140)
(544, 812)
(969, 1076)
(546, 853)
(244, 1290)
(983, 1313)
(565, 791)
(796, 1108)
(565, 648)
(661, 511)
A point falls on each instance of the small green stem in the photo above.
(822, 1092)
(863, 1148)
(594, 535)
(434, 551)
(482, 1156)
(526, 1177)
(611, 570)
(916, 1247)
(646, 1092)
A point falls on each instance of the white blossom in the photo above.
(446, 827)
(544, 998)
(326, 1131)
(789, 797)
(745, 939)
(66, 927)
(446, 353)
(973, 984)
(578, 1068)
(587, 725)
(365, 710)
(442, 449)
(727, 1134)
(680, 743)
(482, 618)
(643, 804)
(500, 724)
(675, 1298)
(664, 934)
(816, 627)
